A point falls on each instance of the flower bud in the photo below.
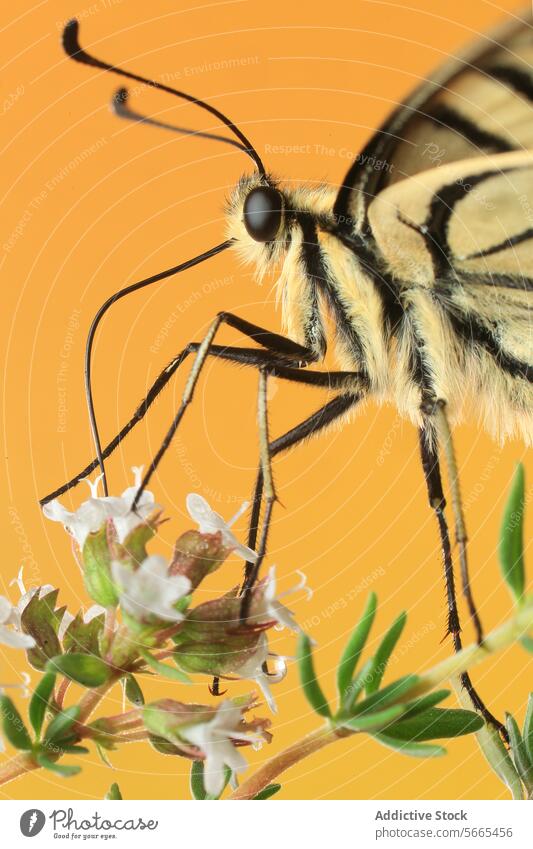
(197, 555)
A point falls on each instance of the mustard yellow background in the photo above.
(90, 204)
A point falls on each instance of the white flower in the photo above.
(253, 670)
(68, 618)
(270, 607)
(92, 514)
(215, 739)
(210, 522)
(149, 591)
(12, 637)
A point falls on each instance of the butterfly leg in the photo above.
(431, 467)
(445, 439)
(316, 422)
(288, 351)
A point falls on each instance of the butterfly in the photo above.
(421, 262)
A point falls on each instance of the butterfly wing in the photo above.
(478, 103)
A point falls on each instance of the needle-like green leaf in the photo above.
(39, 701)
(310, 685)
(354, 647)
(385, 649)
(511, 548)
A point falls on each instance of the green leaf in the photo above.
(358, 684)
(197, 781)
(528, 728)
(75, 750)
(511, 548)
(390, 693)
(41, 620)
(527, 644)
(133, 691)
(64, 770)
(114, 793)
(519, 752)
(39, 701)
(354, 647)
(87, 670)
(425, 702)
(310, 685)
(267, 792)
(414, 750)
(163, 668)
(61, 725)
(436, 723)
(379, 719)
(385, 649)
(13, 725)
(83, 636)
(102, 755)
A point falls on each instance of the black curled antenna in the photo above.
(72, 48)
(121, 108)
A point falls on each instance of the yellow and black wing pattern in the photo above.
(447, 223)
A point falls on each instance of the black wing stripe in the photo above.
(520, 81)
(501, 246)
(472, 331)
(317, 272)
(441, 210)
(451, 119)
(499, 281)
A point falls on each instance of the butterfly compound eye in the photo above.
(262, 213)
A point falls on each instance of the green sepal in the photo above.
(267, 792)
(114, 794)
(40, 619)
(87, 670)
(14, 728)
(84, 637)
(97, 568)
(163, 746)
(354, 647)
(40, 700)
(311, 687)
(511, 546)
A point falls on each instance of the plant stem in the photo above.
(61, 692)
(93, 697)
(288, 757)
(16, 767)
(500, 638)
(453, 666)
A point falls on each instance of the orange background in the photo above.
(353, 513)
